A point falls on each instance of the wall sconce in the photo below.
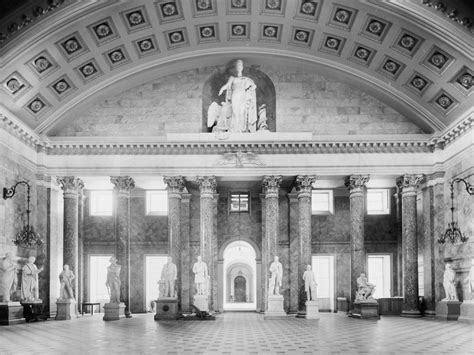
(27, 236)
(453, 234)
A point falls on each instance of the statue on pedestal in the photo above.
(169, 274)
(201, 276)
(365, 289)
(470, 281)
(9, 279)
(65, 279)
(113, 280)
(29, 281)
(309, 284)
(276, 270)
(449, 284)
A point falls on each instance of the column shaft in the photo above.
(80, 272)
(294, 253)
(186, 264)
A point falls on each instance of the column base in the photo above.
(114, 311)
(166, 308)
(201, 302)
(365, 310)
(429, 314)
(275, 308)
(66, 308)
(411, 314)
(312, 310)
(467, 312)
(448, 310)
(11, 313)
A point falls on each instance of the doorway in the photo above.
(323, 267)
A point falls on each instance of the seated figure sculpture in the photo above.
(365, 289)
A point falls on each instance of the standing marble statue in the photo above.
(241, 94)
(29, 281)
(470, 281)
(201, 276)
(449, 283)
(113, 280)
(365, 289)
(9, 280)
(65, 280)
(276, 270)
(169, 274)
(309, 284)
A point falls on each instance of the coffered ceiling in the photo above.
(64, 56)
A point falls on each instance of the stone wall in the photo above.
(305, 102)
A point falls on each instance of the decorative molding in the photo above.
(304, 185)
(207, 186)
(175, 184)
(123, 184)
(70, 185)
(356, 184)
(408, 183)
(453, 133)
(239, 159)
(20, 130)
(271, 185)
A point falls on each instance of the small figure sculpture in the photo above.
(113, 280)
(309, 284)
(65, 279)
(169, 275)
(470, 281)
(9, 280)
(449, 284)
(29, 281)
(277, 274)
(364, 289)
(201, 276)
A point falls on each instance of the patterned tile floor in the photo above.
(235, 333)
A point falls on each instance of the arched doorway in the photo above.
(239, 270)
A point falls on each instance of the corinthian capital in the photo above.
(207, 185)
(304, 184)
(408, 183)
(123, 184)
(357, 183)
(271, 185)
(70, 184)
(175, 183)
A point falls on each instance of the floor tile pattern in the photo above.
(238, 333)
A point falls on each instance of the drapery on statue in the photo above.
(239, 111)
(365, 289)
(470, 281)
(309, 284)
(201, 276)
(113, 280)
(9, 280)
(29, 281)
(274, 283)
(169, 274)
(65, 279)
(449, 284)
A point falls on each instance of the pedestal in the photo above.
(114, 311)
(275, 308)
(312, 310)
(448, 310)
(66, 309)
(166, 308)
(201, 302)
(11, 313)
(366, 310)
(467, 312)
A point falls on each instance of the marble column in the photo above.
(304, 187)
(207, 186)
(186, 262)
(123, 185)
(357, 185)
(71, 187)
(399, 257)
(408, 184)
(271, 188)
(80, 271)
(294, 252)
(176, 185)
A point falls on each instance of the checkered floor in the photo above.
(238, 332)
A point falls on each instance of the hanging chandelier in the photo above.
(453, 234)
(27, 237)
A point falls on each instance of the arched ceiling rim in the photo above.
(423, 117)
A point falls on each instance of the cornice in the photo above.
(19, 130)
(454, 132)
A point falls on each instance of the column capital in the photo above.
(408, 183)
(271, 185)
(175, 185)
(356, 183)
(123, 184)
(207, 186)
(71, 185)
(304, 185)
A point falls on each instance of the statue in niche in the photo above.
(449, 283)
(238, 113)
(365, 289)
(65, 278)
(29, 281)
(470, 281)
(9, 279)
(201, 276)
(310, 284)
(113, 280)
(276, 277)
(169, 274)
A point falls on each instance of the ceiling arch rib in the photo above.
(104, 48)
